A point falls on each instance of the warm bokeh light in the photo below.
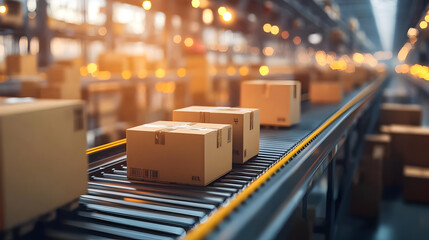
(275, 30)
(243, 70)
(147, 5)
(160, 73)
(83, 71)
(221, 10)
(264, 70)
(103, 75)
(92, 68)
(207, 16)
(102, 31)
(338, 65)
(267, 27)
(181, 72)
(3, 9)
(231, 71)
(423, 24)
(177, 38)
(403, 53)
(268, 51)
(227, 16)
(320, 58)
(285, 34)
(189, 42)
(296, 40)
(358, 58)
(165, 87)
(195, 3)
(427, 18)
(126, 74)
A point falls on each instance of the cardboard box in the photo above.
(410, 144)
(383, 141)
(366, 190)
(245, 126)
(42, 158)
(179, 152)
(278, 101)
(404, 114)
(31, 88)
(59, 74)
(21, 64)
(63, 91)
(113, 62)
(416, 184)
(326, 92)
(75, 62)
(137, 64)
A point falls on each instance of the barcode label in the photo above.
(144, 173)
(229, 135)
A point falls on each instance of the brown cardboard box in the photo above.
(42, 158)
(31, 88)
(59, 74)
(410, 144)
(383, 141)
(179, 152)
(63, 91)
(416, 184)
(21, 64)
(366, 190)
(113, 62)
(326, 92)
(137, 64)
(245, 123)
(75, 62)
(278, 101)
(404, 114)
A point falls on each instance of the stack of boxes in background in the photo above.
(200, 82)
(63, 82)
(367, 186)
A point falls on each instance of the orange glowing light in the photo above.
(92, 68)
(160, 73)
(3, 9)
(227, 16)
(177, 38)
(243, 70)
(285, 34)
(296, 40)
(189, 42)
(147, 5)
(126, 74)
(264, 70)
(181, 72)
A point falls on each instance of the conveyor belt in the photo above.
(116, 207)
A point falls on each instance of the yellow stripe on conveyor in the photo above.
(203, 229)
(106, 146)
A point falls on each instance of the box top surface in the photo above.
(10, 106)
(272, 82)
(228, 110)
(398, 106)
(180, 127)
(406, 129)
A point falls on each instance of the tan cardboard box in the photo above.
(383, 141)
(366, 190)
(326, 92)
(278, 101)
(410, 144)
(59, 74)
(245, 126)
(42, 158)
(113, 62)
(75, 62)
(404, 114)
(416, 184)
(21, 64)
(137, 64)
(179, 152)
(31, 88)
(63, 91)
